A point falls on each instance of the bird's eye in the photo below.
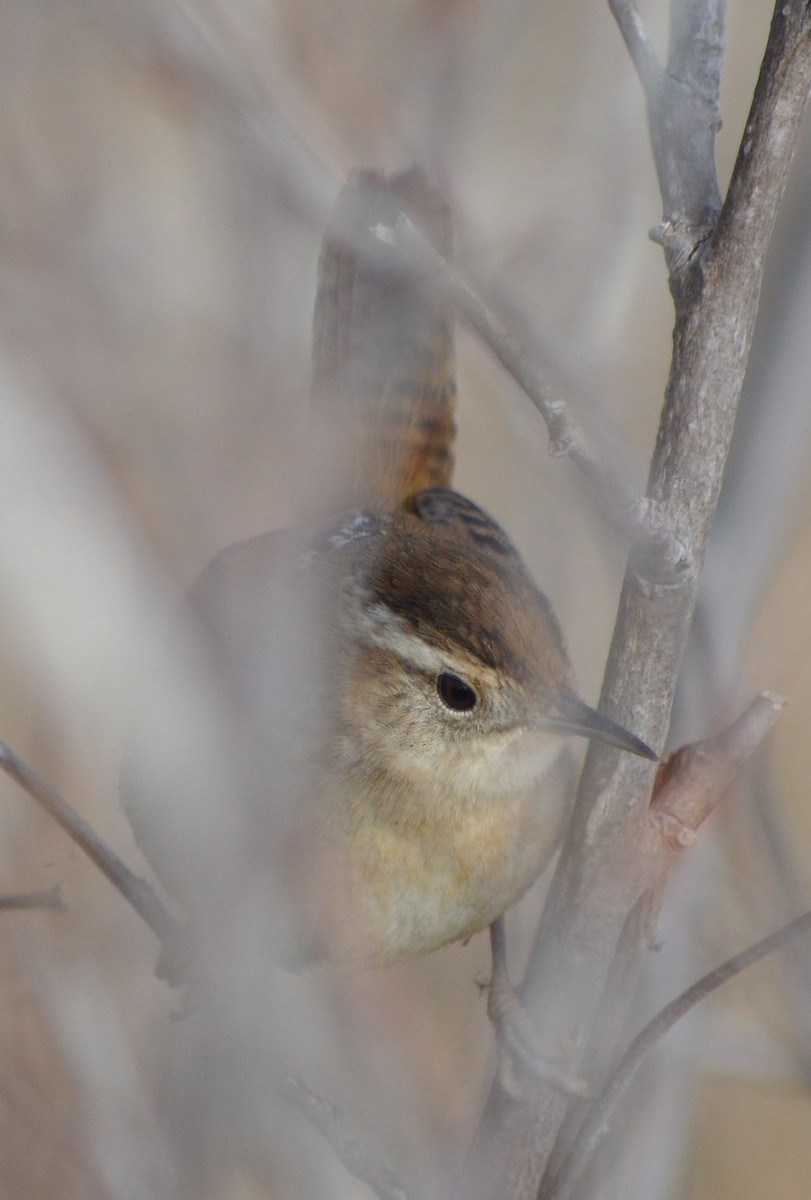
(455, 693)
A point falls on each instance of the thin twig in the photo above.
(595, 1126)
(643, 55)
(138, 892)
(207, 46)
(788, 893)
(53, 899)
(689, 785)
(660, 556)
(359, 1157)
(683, 119)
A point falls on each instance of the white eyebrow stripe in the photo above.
(386, 629)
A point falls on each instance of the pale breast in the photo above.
(406, 888)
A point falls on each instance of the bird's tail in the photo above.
(384, 384)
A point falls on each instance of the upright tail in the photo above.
(383, 349)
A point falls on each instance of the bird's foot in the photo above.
(518, 1039)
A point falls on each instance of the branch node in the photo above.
(561, 445)
(660, 557)
(674, 831)
(681, 241)
(694, 778)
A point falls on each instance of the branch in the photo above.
(661, 556)
(208, 49)
(595, 1127)
(643, 55)
(688, 787)
(53, 898)
(597, 882)
(694, 778)
(358, 1156)
(138, 892)
(683, 119)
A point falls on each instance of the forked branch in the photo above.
(661, 557)
(716, 294)
(138, 892)
(683, 119)
(359, 1156)
(596, 1126)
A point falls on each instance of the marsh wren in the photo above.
(431, 737)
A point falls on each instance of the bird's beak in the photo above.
(575, 717)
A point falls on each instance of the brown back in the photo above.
(384, 391)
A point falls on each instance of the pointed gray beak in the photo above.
(577, 718)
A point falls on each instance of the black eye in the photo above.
(454, 692)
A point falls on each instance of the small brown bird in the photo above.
(401, 681)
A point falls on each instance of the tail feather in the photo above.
(383, 354)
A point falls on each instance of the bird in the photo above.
(404, 700)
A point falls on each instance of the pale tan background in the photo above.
(165, 171)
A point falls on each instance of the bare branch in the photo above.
(53, 898)
(358, 1156)
(202, 45)
(688, 787)
(691, 782)
(595, 1126)
(598, 881)
(643, 55)
(138, 892)
(661, 556)
(683, 119)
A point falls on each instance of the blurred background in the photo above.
(167, 170)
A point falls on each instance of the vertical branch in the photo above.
(595, 1126)
(683, 119)
(599, 879)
